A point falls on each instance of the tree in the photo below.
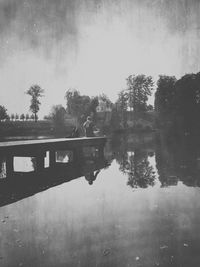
(115, 118)
(73, 99)
(35, 91)
(57, 116)
(3, 113)
(104, 102)
(177, 103)
(80, 106)
(16, 117)
(122, 106)
(12, 117)
(92, 108)
(27, 117)
(22, 117)
(149, 107)
(76, 104)
(8, 118)
(165, 98)
(187, 101)
(32, 117)
(139, 88)
(165, 94)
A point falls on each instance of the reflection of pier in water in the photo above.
(39, 149)
(69, 162)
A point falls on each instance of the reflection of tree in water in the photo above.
(178, 159)
(33, 161)
(119, 148)
(1, 164)
(133, 162)
(64, 156)
(140, 173)
(2, 167)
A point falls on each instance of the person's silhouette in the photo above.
(91, 176)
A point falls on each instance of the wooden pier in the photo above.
(39, 148)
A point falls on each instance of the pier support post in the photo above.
(77, 154)
(39, 163)
(52, 159)
(9, 165)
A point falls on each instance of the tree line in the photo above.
(177, 102)
(16, 117)
(134, 97)
(35, 91)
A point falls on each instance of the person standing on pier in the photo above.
(89, 127)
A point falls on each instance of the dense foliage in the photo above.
(57, 116)
(3, 113)
(80, 106)
(139, 88)
(177, 102)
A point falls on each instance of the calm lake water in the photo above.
(143, 209)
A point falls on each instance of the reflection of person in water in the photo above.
(91, 176)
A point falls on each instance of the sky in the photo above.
(92, 46)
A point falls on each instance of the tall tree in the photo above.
(139, 88)
(35, 91)
(177, 103)
(122, 106)
(3, 113)
(188, 100)
(77, 105)
(165, 94)
(165, 98)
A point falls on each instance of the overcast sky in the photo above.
(92, 45)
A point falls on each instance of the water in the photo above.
(141, 210)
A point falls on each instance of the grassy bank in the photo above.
(142, 122)
(31, 128)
